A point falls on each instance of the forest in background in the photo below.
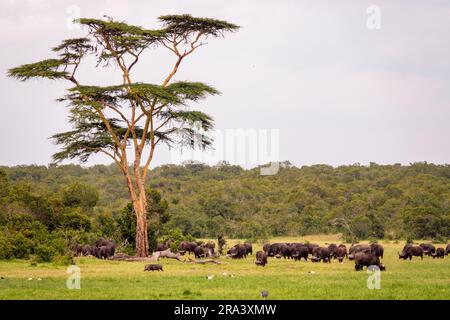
(194, 199)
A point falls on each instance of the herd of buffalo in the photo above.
(364, 255)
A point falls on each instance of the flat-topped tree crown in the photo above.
(185, 23)
(127, 121)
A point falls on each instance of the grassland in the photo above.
(284, 279)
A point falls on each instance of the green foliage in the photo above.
(42, 69)
(181, 24)
(157, 217)
(80, 195)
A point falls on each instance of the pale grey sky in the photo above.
(338, 92)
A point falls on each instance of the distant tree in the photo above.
(80, 195)
(129, 120)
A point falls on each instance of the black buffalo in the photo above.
(447, 249)
(440, 253)
(377, 249)
(275, 249)
(77, 250)
(358, 248)
(341, 253)
(363, 259)
(153, 267)
(311, 247)
(409, 251)
(200, 252)
(333, 249)
(105, 252)
(261, 258)
(239, 251)
(186, 246)
(299, 251)
(266, 247)
(320, 253)
(249, 248)
(89, 250)
(163, 246)
(428, 249)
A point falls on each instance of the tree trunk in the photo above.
(141, 226)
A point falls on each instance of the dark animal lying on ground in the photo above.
(428, 249)
(153, 267)
(363, 259)
(261, 258)
(409, 251)
(320, 253)
(440, 253)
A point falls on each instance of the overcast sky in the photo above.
(337, 91)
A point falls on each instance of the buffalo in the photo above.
(363, 259)
(104, 252)
(89, 250)
(428, 249)
(153, 267)
(261, 258)
(163, 246)
(77, 249)
(447, 249)
(377, 249)
(239, 251)
(333, 249)
(266, 247)
(341, 253)
(358, 248)
(249, 248)
(409, 251)
(311, 247)
(299, 252)
(320, 253)
(440, 253)
(186, 246)
(275, 249)
(200, 252)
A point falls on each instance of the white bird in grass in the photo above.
(224, 273)
(311, 272)
(30, 279)
(39, 279)
(210, 277)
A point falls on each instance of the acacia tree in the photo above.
(127, 121)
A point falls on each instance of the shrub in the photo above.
(44, 253)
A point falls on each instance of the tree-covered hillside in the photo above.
(376, 201)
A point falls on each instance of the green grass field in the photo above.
(284, 279)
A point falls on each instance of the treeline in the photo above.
(375, 201)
